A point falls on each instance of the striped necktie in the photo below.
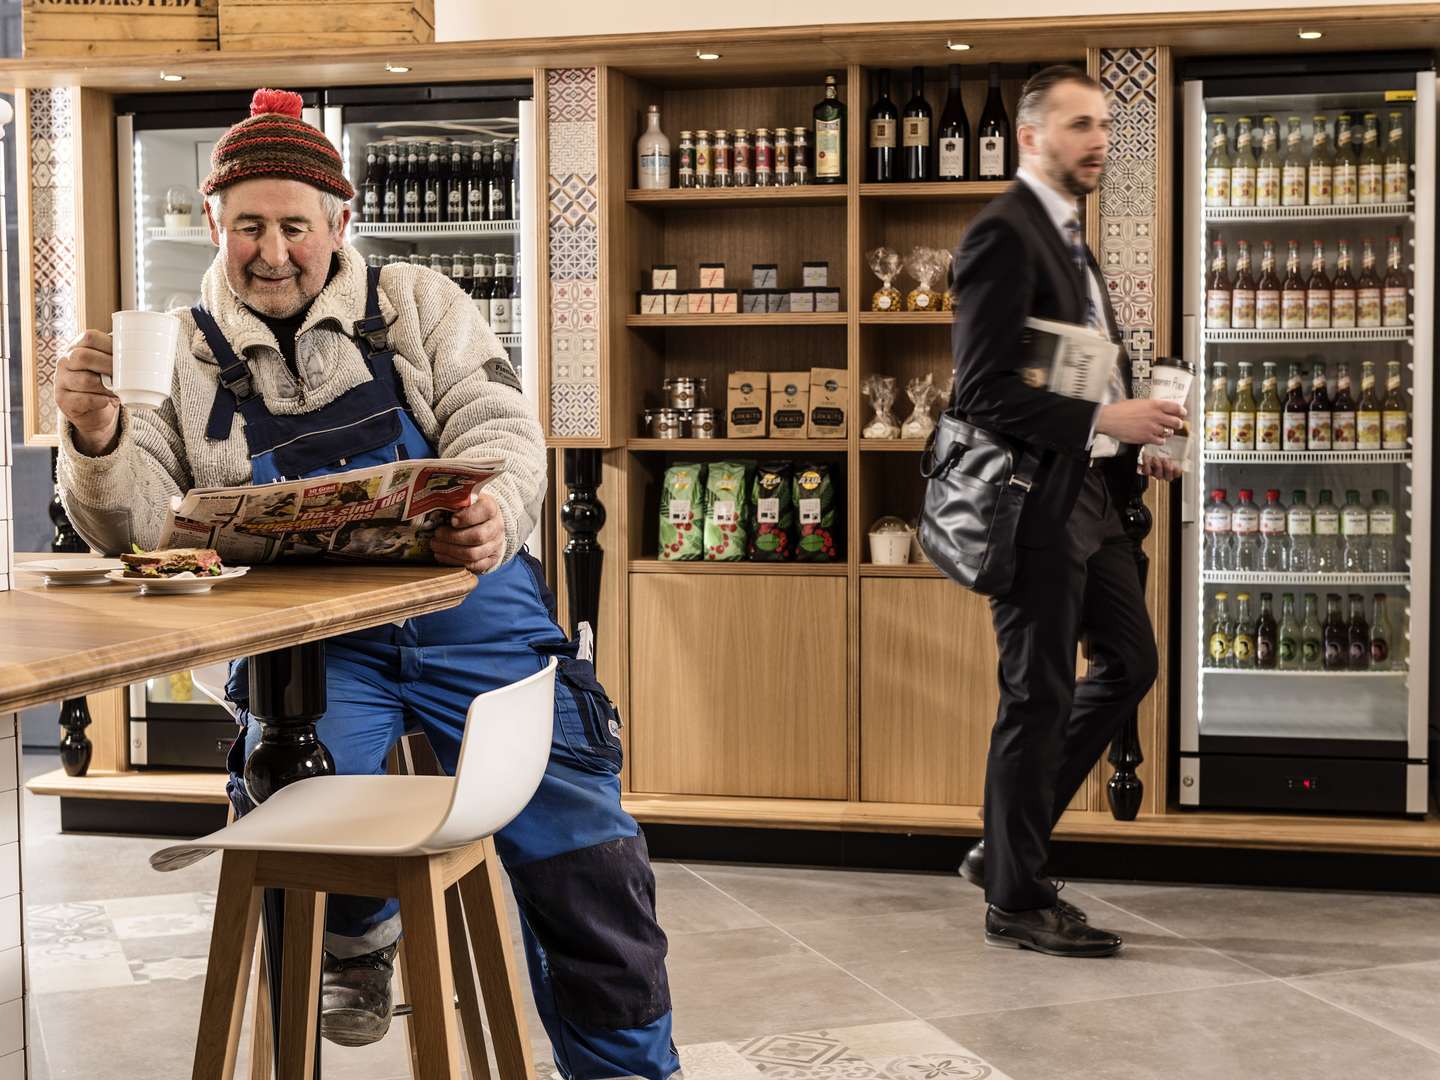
(1082, 265)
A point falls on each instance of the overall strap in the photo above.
(372, 335)
(236, 386)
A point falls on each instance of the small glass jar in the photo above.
(704, 162)
(667, 423)
(702, 424)
(764, 158)
(784, 177)
(723, 162)
(800, 155)
(686, 154)
(744, 159)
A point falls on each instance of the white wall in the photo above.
(471, 20)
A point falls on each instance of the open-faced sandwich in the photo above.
(173, 562)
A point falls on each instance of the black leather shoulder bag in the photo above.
(976, 483)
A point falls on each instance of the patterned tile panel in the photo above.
(1129, 200)
(52, 253)
(573, 225)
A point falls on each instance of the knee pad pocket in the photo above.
(588, 721)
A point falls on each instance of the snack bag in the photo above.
(815, 505)
(681, 515)
(725, 511)
(772, 513)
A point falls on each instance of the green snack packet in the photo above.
(680, 512)
(815, 507)
(772, 512)
(725, 511)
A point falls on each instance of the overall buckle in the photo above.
(375, 332)
(241, 386)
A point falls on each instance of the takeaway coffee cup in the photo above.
(143, 347)
(1173, 380)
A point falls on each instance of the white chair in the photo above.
(424, 839)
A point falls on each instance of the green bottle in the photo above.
(1290, 634)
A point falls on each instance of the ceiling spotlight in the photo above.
(1310, 35)
(166, 76)
(702, 55)
(957, 46)
(397, 69)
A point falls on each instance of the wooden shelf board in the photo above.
(963, 189)
(767, 446)
(655, 566)
(151, 785)
(906, 318)
(1182, 829)
(909, 570)
(797, 318)
(747, 196)
(893, 446)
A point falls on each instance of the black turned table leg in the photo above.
(75, 747)
(1125, 791)
(287, 697)
(583, 516)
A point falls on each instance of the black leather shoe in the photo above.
(355, 997)
(972, 869)
(1050, 931)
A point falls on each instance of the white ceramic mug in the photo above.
(143, 347)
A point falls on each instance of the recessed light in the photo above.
(166, 76)
(703, 55)
(1310, 35)
(957, 46)
(397, 69)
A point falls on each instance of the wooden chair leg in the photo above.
(483, 898)
(422, 912)
(300, 983)
(227, 973)
(402, 970)
(472, 1020)
(262, 1035)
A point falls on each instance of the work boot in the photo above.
(355, 997)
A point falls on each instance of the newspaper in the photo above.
(386, 513)
(1067, 359)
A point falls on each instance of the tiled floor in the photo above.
(816, 974)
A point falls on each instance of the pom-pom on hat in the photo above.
(274, 141)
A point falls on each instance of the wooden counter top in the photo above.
(60, 642)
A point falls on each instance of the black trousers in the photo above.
(1051, 730)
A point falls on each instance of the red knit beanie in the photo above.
(274, 141)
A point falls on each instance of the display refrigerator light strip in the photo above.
(1232, 214)
(139, 202)
(1294, 577)
(1306, 457)
(438, 230)
(510, 341)
(1398, 673)
(1262, 337)
(193, 234)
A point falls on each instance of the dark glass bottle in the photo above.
(393, 194)
(1267, 633)
(499, 185)
(512, 183)
(915, 149)
(997, 146)
(952, 143)
(1336, 635)
(829, 115)
(414, 195)
(434, 185)
(1359, 652)
(372, 192)
(455, 184)
(477, 192)
(881, 134)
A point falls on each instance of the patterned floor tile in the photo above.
(910, 1050)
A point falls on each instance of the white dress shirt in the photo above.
(1062, 210)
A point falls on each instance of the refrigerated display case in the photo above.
(1279, 727)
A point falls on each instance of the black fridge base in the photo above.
(1327, 785)
(140, 817)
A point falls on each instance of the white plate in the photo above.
(173, 585)
(72, 571)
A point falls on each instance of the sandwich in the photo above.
(173, 562)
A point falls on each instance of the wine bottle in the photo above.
(953, 143)
(830, 136)
(915, 131)
(997, 153)
(880, 138)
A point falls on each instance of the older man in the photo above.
(301, 362)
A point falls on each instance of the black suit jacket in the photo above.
(1012, 265)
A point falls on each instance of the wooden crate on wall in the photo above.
(96, 28)
(250, 25)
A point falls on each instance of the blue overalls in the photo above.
(577, 861)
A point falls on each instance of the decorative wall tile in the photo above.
(52, 252)
(573, 226)
(1129, 201)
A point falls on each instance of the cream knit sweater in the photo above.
(442, 346)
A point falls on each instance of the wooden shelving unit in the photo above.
(981, 190)
(906, 318)
(811, 194)
(796, 318)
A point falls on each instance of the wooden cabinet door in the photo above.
(928, 692)
(737, 684)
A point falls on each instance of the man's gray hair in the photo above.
(332, 205)
(1033, 104)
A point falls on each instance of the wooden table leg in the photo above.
(300, 988)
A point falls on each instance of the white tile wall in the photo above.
(12, 1066)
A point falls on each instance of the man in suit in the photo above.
(1023, 256)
